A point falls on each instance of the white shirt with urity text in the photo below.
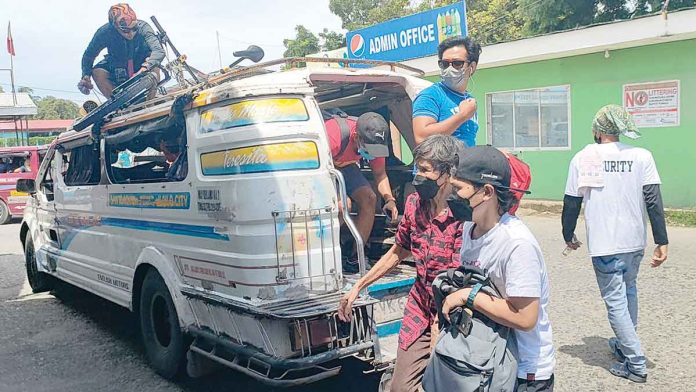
(514, 262)
(615, 216)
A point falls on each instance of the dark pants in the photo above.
(535, 386)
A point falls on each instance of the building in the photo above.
(537, 96)
(34, 128)
(15, 110)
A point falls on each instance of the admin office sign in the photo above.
(653, 104)
(409, 37)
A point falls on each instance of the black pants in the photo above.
(535, 386)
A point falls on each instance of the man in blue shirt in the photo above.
(446, 107)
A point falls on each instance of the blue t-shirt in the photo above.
(440, 102)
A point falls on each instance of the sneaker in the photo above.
(614, 347)
(621, 370)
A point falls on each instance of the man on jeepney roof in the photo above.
(352, 139)
(132, 47)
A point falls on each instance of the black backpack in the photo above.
(472, 353)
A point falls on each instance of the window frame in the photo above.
(108, 167)
(489, 120)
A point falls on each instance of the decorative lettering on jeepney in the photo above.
(256, 111)
(256, 156)
(203, 270)
(83, 220)
(173, 200)
(301, 155)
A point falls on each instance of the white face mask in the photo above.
(454, 78)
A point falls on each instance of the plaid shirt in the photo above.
(435, 244)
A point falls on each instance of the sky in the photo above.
(51, 35)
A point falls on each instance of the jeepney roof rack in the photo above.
(229, 74)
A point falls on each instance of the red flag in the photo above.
(10, 43)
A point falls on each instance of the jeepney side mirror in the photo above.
(26, 185)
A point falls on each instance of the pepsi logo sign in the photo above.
(357, 45)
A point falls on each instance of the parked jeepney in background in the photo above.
(213, 214)
(15, 163)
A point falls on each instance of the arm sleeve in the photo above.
(523, 272)
(425, 104)
(156, 50)
(569, 217)
(95, 46)
(656, 213)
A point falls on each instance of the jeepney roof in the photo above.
(301, 81)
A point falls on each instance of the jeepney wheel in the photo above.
(159, 325)
(5, 215)
(39, 281)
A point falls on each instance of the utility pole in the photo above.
(217, 35)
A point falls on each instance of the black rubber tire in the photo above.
(39, 281)
(116, 102)
(164, 341)
(5, 215)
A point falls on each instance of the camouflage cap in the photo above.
(615, 120)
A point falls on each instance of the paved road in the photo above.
(78, 342)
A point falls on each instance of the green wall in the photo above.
(594, 82)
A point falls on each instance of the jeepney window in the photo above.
(80, 166)
(255, 111)
(155, 156)
(16, 162)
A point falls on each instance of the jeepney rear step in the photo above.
(273, 371)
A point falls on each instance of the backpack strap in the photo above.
(343, 125)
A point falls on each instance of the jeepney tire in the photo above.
(5, 215)
(39, 281)
(164, 341)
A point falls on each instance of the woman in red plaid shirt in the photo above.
(429, 232)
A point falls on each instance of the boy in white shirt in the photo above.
(501, 244)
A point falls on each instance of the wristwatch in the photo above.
(472, 295)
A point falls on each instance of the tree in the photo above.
(52, 108)
(1, 90)
(545, 16)
(305, 43)
(331, 40)
(354, 14)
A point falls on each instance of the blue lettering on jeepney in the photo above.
(170, 200)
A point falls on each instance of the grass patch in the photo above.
(681, 218)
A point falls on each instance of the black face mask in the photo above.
(426, 188)
(461, 208)
(597, 139)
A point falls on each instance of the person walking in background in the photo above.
(447, 108)
(617, 182)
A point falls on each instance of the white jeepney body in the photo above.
(245, 232)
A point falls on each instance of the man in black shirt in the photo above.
(132, 47)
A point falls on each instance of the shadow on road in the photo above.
(122, 324)
(594, 352)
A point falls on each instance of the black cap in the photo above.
(483, 165)
(372, 129)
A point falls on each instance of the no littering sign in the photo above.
(653, 104)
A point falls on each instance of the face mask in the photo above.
(454, 78)
(597, 139)
(426, 188)
(461, 208)
(365, 155)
